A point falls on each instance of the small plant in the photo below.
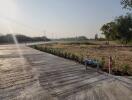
(76, 58)
(61, 54)
(65, 55)
(102, 63)
(81, 59)
(69, 55)
(72, 56)
(126, 69)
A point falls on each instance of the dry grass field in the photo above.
(122, 56)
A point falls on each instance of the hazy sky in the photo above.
(57, 18)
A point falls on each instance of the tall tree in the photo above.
(109, 30)
(124, 28)
(119, 29)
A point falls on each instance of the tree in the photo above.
(124, 28)
(119, 29)
(127, 4)
(21, 38)
(109, 30)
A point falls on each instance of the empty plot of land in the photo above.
(41, 76)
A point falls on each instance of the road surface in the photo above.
(28, 74)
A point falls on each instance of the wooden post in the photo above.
(110, 64)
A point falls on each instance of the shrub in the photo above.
(126, 69)
(81, 59)
(102, 63)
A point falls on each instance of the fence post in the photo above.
(110, 64)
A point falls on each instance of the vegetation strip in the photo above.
(125, 70)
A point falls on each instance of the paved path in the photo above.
(41, 76)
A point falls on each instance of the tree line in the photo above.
(121, 27)
(21, 39)
(78, 38)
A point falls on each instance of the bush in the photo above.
(126, 69)
(102, 63)
(81, 59)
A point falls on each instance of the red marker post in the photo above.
(110, 64)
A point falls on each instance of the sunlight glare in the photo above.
(8, 8)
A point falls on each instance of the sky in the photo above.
(57, 18)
